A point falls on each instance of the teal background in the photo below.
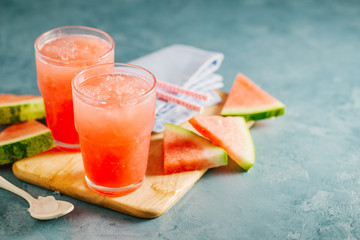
(305, 183)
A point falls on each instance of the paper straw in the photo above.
(171, 98)
(176, 89)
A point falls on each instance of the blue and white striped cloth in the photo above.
(185, 66)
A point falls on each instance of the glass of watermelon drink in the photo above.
(60, 54)
(114, 109)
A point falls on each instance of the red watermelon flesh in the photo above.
(12, 98)
(22, 130)
(248, 100)
(231, 134)
(184, 150)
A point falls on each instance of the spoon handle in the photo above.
(12, 188)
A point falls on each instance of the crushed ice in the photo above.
(44, 205)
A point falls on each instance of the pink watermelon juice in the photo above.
(114, 106)
(60, 54)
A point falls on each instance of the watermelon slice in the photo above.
(248, 100)
(23, 140)
(184, 150)
(230, 133)
(20, 108)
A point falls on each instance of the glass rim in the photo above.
(60, 62)
(144, 95)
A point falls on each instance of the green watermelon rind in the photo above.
(222, 157)
(246, 162)
(22, 111)
(19, 148)
(254, 114)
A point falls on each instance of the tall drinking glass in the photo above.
(61, 53)
(114, 106)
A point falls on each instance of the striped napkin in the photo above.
(185, 66)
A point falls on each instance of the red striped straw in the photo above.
(171, 98)
(176, 89)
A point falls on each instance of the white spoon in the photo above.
(43, 208)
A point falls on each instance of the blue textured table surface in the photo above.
(305, 183)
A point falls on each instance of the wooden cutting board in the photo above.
(63, 172)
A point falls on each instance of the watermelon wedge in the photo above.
(23, 140)
(248, 100)
(20, 108)
(231, 134)
(184, 150)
